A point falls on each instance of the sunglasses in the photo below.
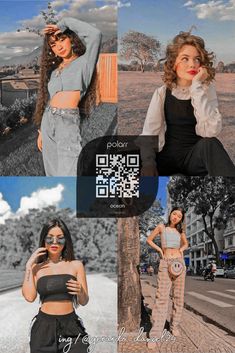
(50, 240)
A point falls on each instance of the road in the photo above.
(215, 300)
(99, 315)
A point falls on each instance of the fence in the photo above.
(107, 70)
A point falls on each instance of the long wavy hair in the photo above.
(49, 62)
(179, 226)
(172, 51)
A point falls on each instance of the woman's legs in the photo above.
(208, 156)
(57, 334)
(49, 149)
(160, 308)
(61, 141)
(178, 301)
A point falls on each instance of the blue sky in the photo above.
(13, 189)
(163, 19)
(162, 191)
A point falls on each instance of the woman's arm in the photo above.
(92, 38)
(205, 103)
(79, 287)
(183, 243)
(152, 127)
(156, 232)
(29, 288)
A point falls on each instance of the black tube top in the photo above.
(53, 287)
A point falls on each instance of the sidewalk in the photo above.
(196, 335)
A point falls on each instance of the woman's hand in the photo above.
(201, 75)
(34, 256)
(51, 29)
(74, 287)
(161, 254)
(39, 141)
(181, 252)
(149, 171)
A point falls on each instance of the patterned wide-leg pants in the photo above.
(165, 282)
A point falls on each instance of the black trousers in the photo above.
(205, 157)
(58, 334)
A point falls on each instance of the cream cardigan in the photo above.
(205, 104)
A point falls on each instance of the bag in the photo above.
(175, 268)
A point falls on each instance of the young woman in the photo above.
(67, 67)
(171, 274)
(60, 280)
(184, 114)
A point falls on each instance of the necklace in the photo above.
(64, 64)
(52, 262)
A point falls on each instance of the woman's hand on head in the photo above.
(32, 260)
(51, 29)
(201, 75)
(39, 141)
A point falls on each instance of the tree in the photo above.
(211, 197)
(140, 47)
(129, 292)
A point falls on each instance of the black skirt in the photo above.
(58, 334)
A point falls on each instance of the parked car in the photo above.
(219, 271)
(230, 272)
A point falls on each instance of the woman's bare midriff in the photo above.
(62, 307)
(65, 100)
(170, 253)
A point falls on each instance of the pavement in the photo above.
(196, 334)
(16, 315)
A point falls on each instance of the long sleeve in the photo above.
(204, 101)
(152, 127)
(91, 37)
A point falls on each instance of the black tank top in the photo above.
(53, 287)
(180, 121)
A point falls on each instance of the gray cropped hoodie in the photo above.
(78, 74)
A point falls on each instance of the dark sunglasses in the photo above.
(50, 240)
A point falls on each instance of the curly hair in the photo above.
(172, 51)
(49, 62)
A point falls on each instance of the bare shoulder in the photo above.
(161, 227)
(78, 265)
(36, 268)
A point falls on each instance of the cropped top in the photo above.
(78, 74)
(53, 287)
(170, 238)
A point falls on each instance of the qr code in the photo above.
(117, 175)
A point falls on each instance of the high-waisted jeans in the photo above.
(165, 282)
(57, 334)
(61, 141)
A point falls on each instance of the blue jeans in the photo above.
(61, 141)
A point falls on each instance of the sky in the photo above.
(163, 19)
(18, 14)
(19, 194)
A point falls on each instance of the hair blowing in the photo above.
(172, 51)
(50, 62)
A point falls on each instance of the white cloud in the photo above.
(40, 199)
(123, 4)
(215, 10)
(5, 210)
(18, 43)
(91, 11)
(189, 3)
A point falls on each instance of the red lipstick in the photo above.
(192, 72)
